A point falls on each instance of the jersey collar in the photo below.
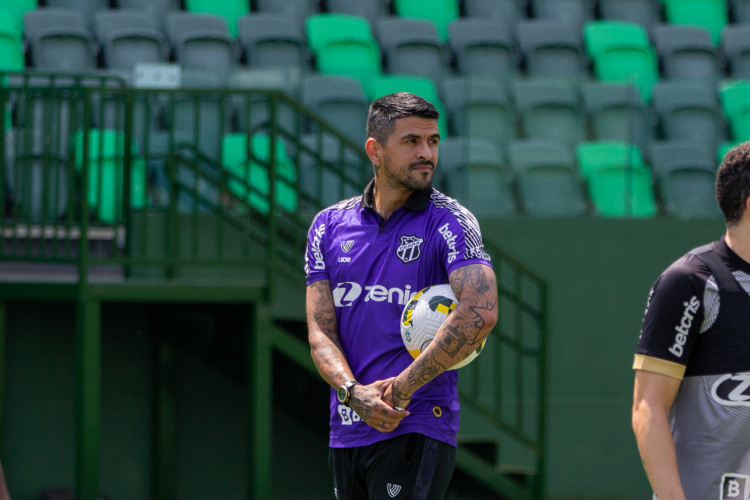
(418, 200)
(735, 261)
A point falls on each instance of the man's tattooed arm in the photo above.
(328, 356)
(322, 333)
(461, 333)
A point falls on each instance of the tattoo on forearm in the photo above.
(466, 327)
(325, 348)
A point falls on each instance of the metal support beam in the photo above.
(3, 371)
(164, 432)
(88, 397)
(259, 401)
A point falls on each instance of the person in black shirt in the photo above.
(691, 402)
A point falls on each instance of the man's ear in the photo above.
(372, 147)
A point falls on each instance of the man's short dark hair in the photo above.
(733, 183)
(387, 109)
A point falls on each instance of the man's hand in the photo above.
(368, 402)
(396, 399)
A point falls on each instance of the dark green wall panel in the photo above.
(599, 273)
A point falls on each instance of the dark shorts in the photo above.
(411, 466)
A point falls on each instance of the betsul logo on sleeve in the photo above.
(319, 263)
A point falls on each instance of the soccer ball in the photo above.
(423, 315)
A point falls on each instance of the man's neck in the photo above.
(738, 239)
(387, 200)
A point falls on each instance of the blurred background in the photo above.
(162, 161)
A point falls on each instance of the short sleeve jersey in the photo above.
(374, 267)
(683, 337)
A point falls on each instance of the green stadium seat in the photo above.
(423, 87)
(231, 10)
(548, 180)
(248, 163)
(619, 182)
(441, 12)
(734, 96)
(709, 14)
(344, 45)
(686, 175)
(11, 43)
(621, 52)
(17, 8)
(106, 174)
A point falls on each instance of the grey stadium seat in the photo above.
(315, 179)
(299, 9)
(201, 41)
(508, 12)
(550, 108)
(88, 8)
(340, 100)
(155, 8)
(548, 179)
(687, 52)
(60, 40)
(551, 48)
(617, 112)
(128, 37)
(686, 174)
(372, 10)
(272, 40)
(735, 40)
(475, 172)
(412, 47)
(647, 13)
(740, 10)
(689, 112)
(201, 118)
(253, 113)
(574, 13)
(480, 107)
(483, 47)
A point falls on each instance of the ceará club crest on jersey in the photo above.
(409, 249)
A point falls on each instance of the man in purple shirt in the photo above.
(394, 419)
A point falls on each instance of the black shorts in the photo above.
(411, 466)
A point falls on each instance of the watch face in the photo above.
(342, 393)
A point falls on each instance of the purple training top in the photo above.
(374, 267)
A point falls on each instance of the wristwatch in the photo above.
(344, 392)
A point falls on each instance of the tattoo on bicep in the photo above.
(321, 307)
(472, 277)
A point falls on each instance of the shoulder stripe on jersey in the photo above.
(657, 365)
(467, 221)
(346, 204)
